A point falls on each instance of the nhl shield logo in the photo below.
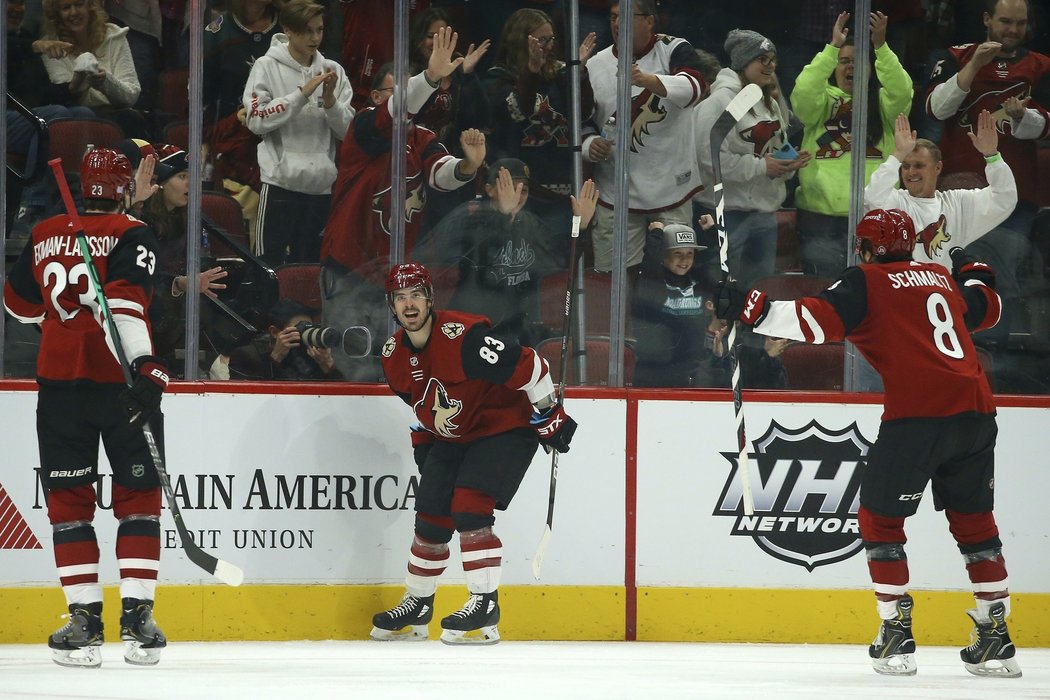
(137, 470)
(806, 488)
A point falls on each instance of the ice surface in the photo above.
(509, 671)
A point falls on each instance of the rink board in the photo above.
(312, 495)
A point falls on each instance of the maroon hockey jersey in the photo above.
(49, 284)
(1020, 76)
(358, 229)
(468, 382)
(910, 320)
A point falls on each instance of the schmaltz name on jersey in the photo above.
(806, 489)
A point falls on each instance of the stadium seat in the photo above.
(68, 139)
(597, 351)
(791, 286)
(224, 211)
(178, 134)
(300, 282)
(788, 250)
(596, 295)
(174, 99)
(814, 367)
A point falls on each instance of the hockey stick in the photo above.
(222, 570)
(737, 108)
(563, 367)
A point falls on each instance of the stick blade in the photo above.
(228, 573)
(541, 550)
(747, 98)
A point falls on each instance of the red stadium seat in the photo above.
(300, 282)
(791, 286)
(814, 367)
(597, 350)
(68, 139)
(789, 257)
(596, 294)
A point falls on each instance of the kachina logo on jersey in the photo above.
(806, 489)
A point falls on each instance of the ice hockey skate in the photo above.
(991, 653)
(893, 651)
(143, 640)
(405, 622)
(78, 644)
(474, 623)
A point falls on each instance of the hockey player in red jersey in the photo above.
(911, 321)
(82, 397)
(484, 403)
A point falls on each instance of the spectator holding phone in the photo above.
(756, 158)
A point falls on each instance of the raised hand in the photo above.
(587, 48)
(328, 88)
(584, 205)
(208, 281)
(1015, 107)
(144, 185)
(311, 85)
(507, 193)
(839, 31)
(986, 52)
(470, 61)
(986, 140)
(441, 63)
(903, 136)
(878, 21)
(472, 142)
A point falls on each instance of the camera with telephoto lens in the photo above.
(313, 335)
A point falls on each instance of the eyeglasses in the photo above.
(544, 40)
(767, 60)
(383, 89)
(613, 17)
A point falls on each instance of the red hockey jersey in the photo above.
(357, 232)
(1020, 76)
(468, 382)
(910, 320)
(49, 284)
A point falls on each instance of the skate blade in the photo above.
(412, 633)
(896, 665)
(481, 636)
(84, 657)
(995, 668)
(138, 655)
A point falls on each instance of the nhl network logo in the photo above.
(806, 489)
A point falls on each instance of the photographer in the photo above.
(292, 349)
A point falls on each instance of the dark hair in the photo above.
(642, 7)
(166, 224)
(418, 32)
(709, 65)
(284, 310)
(381, 74)
(513, 51)
(297, 14)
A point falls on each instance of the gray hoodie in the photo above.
(299, 136)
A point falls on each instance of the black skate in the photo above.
(405, 622)
(893, 650)
(79, 643)
(475, 622)
(143, 640)
(991, 653)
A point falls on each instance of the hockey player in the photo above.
(82, 397)
(911, 322)
(484, 403)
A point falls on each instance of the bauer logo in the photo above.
(805, 485)
(15, 532)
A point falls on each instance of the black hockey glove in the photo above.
(733, 304)
(968, 267)
(142, 399)
(555, 428)
(422, 441)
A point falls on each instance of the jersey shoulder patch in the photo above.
(389, 346)
(452, 329)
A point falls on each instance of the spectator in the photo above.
(528, 90)
(754, 168)
(668, 312)
(280, 352)
(503, 250)
(143, 20)
(823, 101)
(1001, 76)
(96, 69)
(356, 246)
(299, 103)
(165, 212)
(233, 42)
(944, 219)
(667, 84)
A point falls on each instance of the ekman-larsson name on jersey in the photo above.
(806, 489)
(67, 246)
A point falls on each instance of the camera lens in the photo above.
(315, 336)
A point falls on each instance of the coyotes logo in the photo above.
(546, 125)
(438, 409)
(760, 134)
(933, 237)
(646, 111)
(415, 199)
(837, 139)
(993, 101)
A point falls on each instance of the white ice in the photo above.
(509, 671)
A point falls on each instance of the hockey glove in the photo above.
(422, 441)
(142, 399)
(968, 267)
(731, 303)
(555, 427)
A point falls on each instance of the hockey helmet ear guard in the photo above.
(887, 232)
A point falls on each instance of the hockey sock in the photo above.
(76, 556)
(981, 549)
(482, 554)
(138, 556)
(426, 562)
